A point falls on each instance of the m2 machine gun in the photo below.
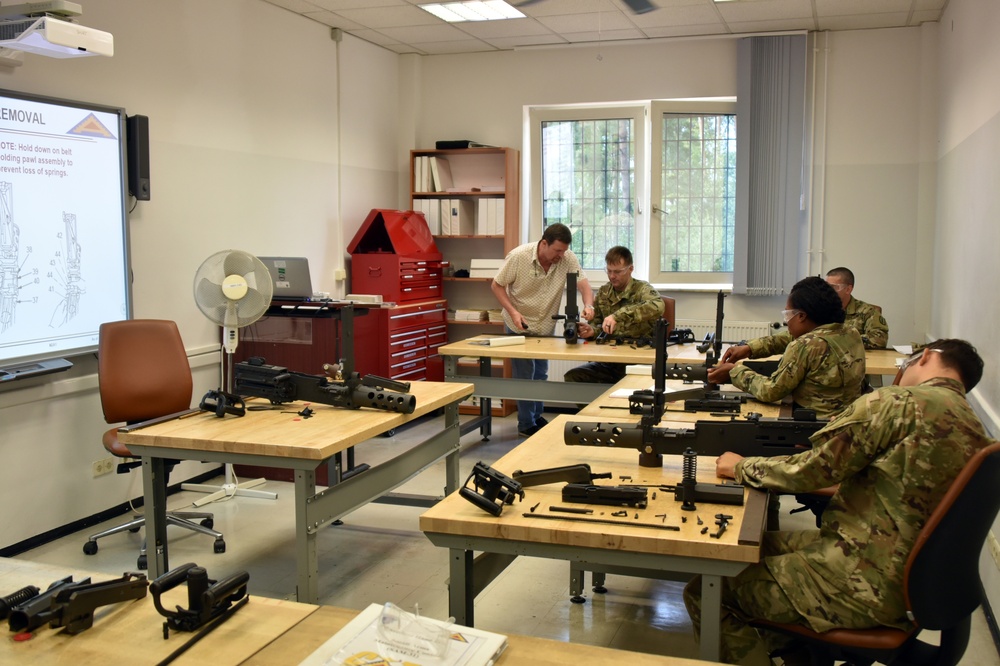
(278, 384)
(753, 435)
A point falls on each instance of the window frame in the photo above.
(648, 152)
(638, 113)
(675, 280)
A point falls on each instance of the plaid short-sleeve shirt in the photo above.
(535, 293)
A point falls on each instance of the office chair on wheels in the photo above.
(942, 583)
(143, 373)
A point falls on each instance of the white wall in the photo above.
(242, 100)
(965, 268)
(875, 125)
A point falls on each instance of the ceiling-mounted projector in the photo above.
(33, 28)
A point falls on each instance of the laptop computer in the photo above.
(290, 277)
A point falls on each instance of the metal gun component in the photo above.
(752, 435)
(278, 384)
(491, 489)
(604, 521)
(36, 611)
(572, 316)
(207, 599)
(580, 493)
(14, 599)
(569, 509)
(579, 473)
(73, 606)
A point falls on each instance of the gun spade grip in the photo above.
(170, 580)
(480, 501)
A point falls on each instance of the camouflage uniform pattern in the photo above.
(823, 369)
(636, 310)
(869, 322)
(894, 453)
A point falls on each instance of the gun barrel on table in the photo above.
(750, 436)
(278, 384)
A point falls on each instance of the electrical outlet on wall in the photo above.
(102, 467)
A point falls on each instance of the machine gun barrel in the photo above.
(278, 384)
(747, 437)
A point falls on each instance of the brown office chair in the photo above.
(143, 373)
(670, 312)
(942, 583)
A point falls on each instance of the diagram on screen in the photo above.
(9, 249)
(66, 273)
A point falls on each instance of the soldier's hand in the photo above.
(720, 373)
(584, 330)
(736, 353)
(725, 465)
(608, 325)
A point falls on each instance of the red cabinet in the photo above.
(401, 342)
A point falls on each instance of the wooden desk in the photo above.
(553, 349)
(309, 634)
(265, 632)
(281, 438)
(650, 552)
(131, 632)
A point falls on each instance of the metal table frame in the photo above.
(313, 509)
(470, 574)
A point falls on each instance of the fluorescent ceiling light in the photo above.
(472, 10)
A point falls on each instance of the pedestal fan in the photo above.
(233, 289)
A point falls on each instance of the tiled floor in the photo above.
(380, 555)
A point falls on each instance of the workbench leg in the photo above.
(452, 472)
(577, 579)
(307, 563)
(461, 598)
(711, 613)
(154, 489)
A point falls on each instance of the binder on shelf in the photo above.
(462, 218)
(441, 172)
(483, 225)
(432, 211)
(499, 216)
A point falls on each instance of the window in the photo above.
(693, 216)
(590, 167)
(585, 175)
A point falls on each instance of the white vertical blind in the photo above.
(770, 109)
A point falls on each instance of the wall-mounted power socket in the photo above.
(102, 467)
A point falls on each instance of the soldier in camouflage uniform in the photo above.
(894, 453)
(823, 361)
(625, 308)
(864, 318)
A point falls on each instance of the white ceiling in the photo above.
(401, 26)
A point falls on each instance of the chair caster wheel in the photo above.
(220, 546)
(578, 599)
(389, 433)
(141, 563)
(134, 530)
(208, 523)
(600, 589)
(90, 548)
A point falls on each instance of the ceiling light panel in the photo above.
(472, 10)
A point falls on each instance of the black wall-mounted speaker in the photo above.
(137, 138)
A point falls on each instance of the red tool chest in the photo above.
(394, 254)
(401, 342)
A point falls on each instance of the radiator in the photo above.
(732, 331)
